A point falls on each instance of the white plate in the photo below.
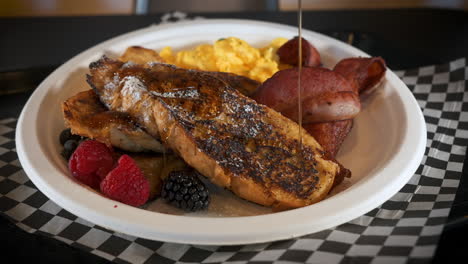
(383, 150)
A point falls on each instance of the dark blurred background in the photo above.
(113, 7)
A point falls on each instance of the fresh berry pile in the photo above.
(93, 163)
(183, 189)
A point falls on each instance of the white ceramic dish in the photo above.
(383, 150)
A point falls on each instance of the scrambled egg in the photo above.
(229, 55)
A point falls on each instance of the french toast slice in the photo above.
(244, 85)
(144, 56)
(86, 116)
(140, 55)
(236, 143)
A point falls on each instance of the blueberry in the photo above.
(70, 145)
(66, 135)
(66, 154)
(68, 148)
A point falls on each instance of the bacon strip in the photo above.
(288, 53)
(330, 135)
(363, 73)
(325, 95)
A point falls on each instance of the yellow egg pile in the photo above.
(229, 55)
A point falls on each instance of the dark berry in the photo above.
(70, 145)
(183, 189)
(66, 154)
(68, 148)
(66, 135)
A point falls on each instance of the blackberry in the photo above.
(184, 190)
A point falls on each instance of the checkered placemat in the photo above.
(407, 226)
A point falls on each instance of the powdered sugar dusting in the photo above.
(132, 92)
(248, 108)
(154, 63)
(109, 86)
(146, 105)
(179, 93)
(128, 64)
(133, 88)
(116, 78)
(107, 96)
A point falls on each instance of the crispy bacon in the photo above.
(288, 53)
(325, 95)
(330, 99)
(330, 135)
(363, 73)
(327, 107)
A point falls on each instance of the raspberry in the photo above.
(126, 183)
(91, 162)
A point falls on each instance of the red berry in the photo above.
(91, 162)
(126, 183)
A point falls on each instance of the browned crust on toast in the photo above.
(144, 56)
(88, 117)
(243, 84)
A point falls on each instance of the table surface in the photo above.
(31, 48)
(405, 38)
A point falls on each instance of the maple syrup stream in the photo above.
(299, 101)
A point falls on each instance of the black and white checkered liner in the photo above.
(407, 226)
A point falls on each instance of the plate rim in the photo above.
(224, 235)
